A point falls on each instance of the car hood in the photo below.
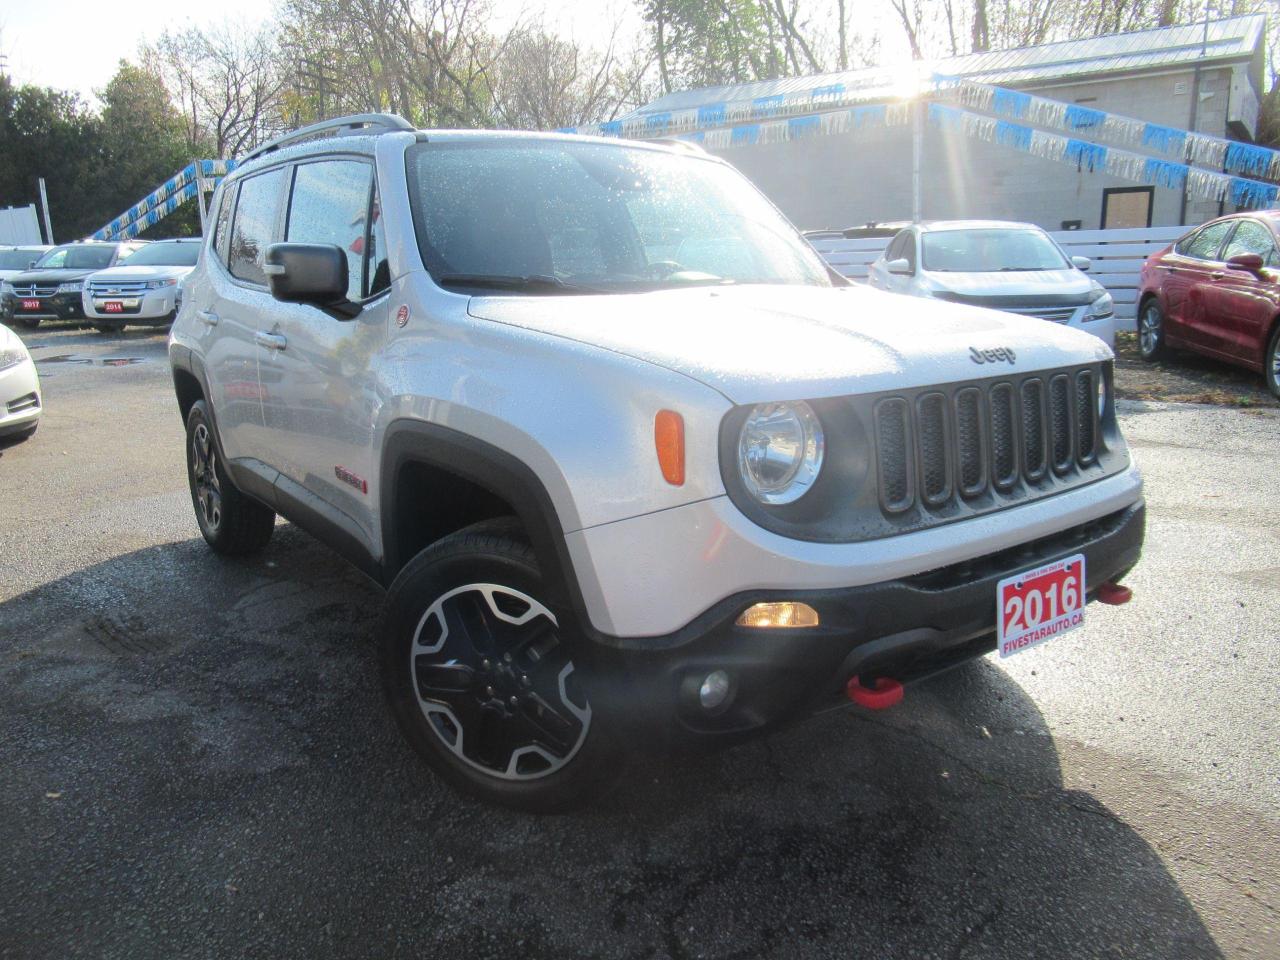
(757, 343)
(10, 340)
(1069, 284)
(49, 276)
(135, 274)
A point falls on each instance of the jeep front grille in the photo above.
(1009, 436)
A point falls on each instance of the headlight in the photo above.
(780, 451)
(157, 284)
(1104, 306)
(73, 287)
(11, 358)
(6, 288)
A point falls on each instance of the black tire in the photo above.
(1271, 362)
(231, 523)
(109, 327)
(510, 719)
(29, 322)
(1151, 330)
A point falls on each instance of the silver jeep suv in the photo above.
(632, 464)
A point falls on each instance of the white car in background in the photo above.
(16, 260)
(1014, 267)
(144, 289)
(20, 403)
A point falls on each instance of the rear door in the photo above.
(320, 400)
(1189, 278)
(241, 304)
(1241, 303)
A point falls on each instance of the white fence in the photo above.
(19, 226)
(1117, 257)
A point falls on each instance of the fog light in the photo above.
(714, 690)
(786, 614)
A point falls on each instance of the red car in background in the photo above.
(1217, 291)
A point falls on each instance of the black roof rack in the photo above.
(338, 127)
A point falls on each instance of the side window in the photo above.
(1251, 237)
(895, 246)
(1204, 245)
(330, 205)
(909, 249)
(253, 228)
(220, 233)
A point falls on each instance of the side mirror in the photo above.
(1251, 262)
(1081, 263)
(31, 264)
(314, 273)
(900, 267)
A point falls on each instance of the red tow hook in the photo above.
(1114, 594)
(882, 696)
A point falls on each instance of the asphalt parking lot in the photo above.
(195, 760)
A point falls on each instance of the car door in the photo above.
(316, 367)
(234, 309)
(1241, 304)
(1189, 277)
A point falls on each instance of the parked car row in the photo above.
(1215, 291)
(110, 284)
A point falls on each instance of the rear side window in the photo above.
(1204, 245)
(1251, 237)
(253, 228)
(330, 205)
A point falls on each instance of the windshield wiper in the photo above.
(500, 281)
(1023, 269)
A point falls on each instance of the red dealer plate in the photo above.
(30, 304)
(113, 306)
(1038, 604)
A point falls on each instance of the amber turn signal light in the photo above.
(668, 438)
(779, 615)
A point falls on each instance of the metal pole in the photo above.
(1195, 111)
(917, 144)
(200, 188)
(44, 204)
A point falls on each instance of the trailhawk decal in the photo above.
(350, 479)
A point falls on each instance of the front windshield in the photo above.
(551, 216)
(990, 250)
(17, 259)
(78, 257)
(163, 255)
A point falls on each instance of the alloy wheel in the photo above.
(208, 490)
(495, 683)
(1149, 334)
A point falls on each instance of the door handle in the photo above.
(272, 341)
(1217, 275)
(207, 317)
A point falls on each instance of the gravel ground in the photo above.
(1187, 378)
(195, 760)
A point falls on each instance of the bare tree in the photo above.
(226, 83)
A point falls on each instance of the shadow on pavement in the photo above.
(198, 762)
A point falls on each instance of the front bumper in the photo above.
(906, 628)
(20, 400)
(151, 306)
(59, 306)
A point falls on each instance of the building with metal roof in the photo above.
(1202, 78)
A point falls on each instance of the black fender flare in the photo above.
(500, 473)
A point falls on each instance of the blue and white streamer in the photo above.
(166, 198)
(1096, 158)
(1245, 159)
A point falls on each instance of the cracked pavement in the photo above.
(195, 760)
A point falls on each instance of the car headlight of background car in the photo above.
(1102, 306)
(158, 284)
(11, 357)
(6, 289)
(73, 286)
(780, 450)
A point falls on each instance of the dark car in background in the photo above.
(51, 290)
(1216, 291)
